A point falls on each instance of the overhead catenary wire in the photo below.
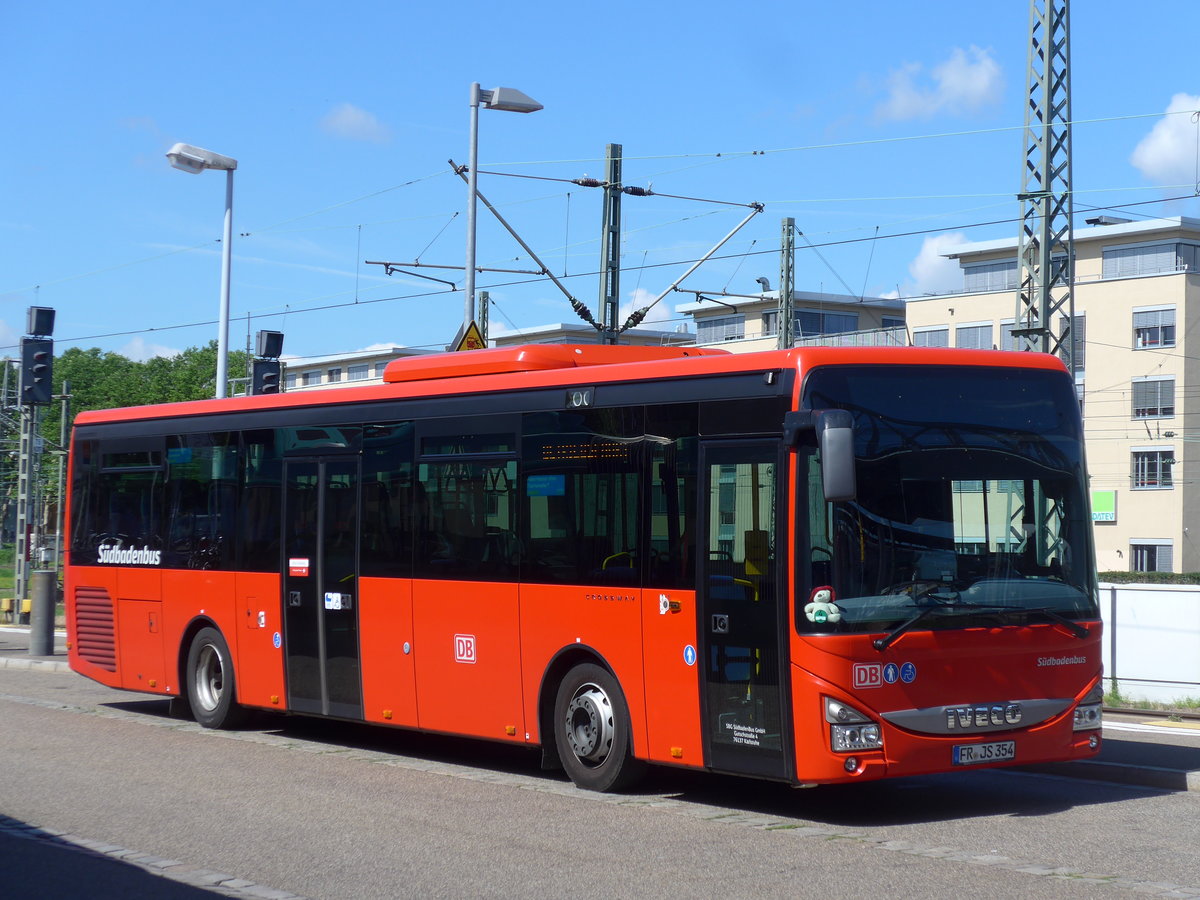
(292, 310)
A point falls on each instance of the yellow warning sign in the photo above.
(469, 338)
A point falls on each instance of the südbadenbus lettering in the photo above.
(128, 556)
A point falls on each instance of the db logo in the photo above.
(464, 648)
(868, 675)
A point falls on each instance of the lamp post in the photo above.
(509, 100)
(195, 160)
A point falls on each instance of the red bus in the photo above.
(815, 565)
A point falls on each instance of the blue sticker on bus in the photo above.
(689, 655)
(908, 673)
(891, 673)
(546, 486)
(277, 640)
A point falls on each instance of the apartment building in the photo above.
(745, 323)
(341, 369)
(1137, 300)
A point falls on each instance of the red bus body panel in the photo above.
(961, 667)
(385, 630)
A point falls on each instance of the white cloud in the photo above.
(933, 273)
(659, 314)
(965, 82)
(139, 350)
(348, 121)
(1168, 153)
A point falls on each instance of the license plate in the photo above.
(975, 754)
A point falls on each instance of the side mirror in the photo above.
(835, 438)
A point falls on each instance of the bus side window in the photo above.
(261, 498)
(581, 496)
(130, 493)
(388, 508)
(673, 451)
(466, 520)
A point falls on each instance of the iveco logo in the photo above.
(968, 717)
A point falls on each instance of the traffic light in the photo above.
(37, 359)
(265, 377)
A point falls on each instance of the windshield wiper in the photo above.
(1070, 624)
(892, 636)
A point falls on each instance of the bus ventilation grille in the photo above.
(94, 634)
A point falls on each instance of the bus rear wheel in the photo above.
(210, 681)
(592, 731)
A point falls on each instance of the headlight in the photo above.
(1088, 715)
(850, 730)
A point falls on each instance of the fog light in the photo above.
(851, 763)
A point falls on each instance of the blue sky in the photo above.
(861, 120)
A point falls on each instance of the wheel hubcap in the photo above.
(209, 680)
(589, 724)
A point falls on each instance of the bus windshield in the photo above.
(971, 504)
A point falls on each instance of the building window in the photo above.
(360, 372)
(1008, 340)
(310, 378)
(770, 322)
(335, 375)
(1079, 344)
(379, 367)
(1148, 259)
(973, 337)
(1154, 399)
(1152, 469)
(1153, 328)
(1150, 556)
(993, 276)
(720, 328)
(932, 337)
(289, 380)
(893, 322)
(809, 322)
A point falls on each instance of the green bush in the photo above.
(1151, 577)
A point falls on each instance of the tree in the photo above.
(102, 379)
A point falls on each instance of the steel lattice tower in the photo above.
(1045, 252)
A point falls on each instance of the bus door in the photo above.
(320, 585)
(740, 595)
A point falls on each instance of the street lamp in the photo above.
(191, 159)
(509, 100)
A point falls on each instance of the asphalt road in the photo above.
(104, 795)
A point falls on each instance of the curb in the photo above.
(37, 663)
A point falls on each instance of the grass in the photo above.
(1114, 697)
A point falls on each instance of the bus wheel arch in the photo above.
(585, 720)
(209, 682)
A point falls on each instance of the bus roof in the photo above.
(551, 365)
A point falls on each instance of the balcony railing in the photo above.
(896, 336)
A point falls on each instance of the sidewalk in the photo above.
(1137, 751)
(14, 650)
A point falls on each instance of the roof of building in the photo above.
(772, 298)
(1143, 229)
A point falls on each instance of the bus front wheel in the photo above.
(210, 681)
(591, 724)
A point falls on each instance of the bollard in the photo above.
(42, 586)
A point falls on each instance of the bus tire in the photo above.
(592, 731)
(211, 689)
